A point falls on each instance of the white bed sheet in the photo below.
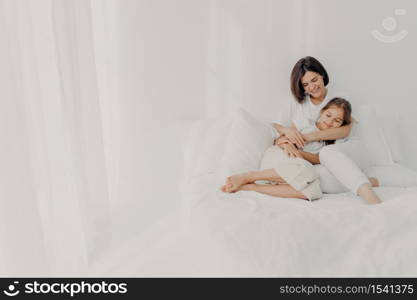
(248, 234)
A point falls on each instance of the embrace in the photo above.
(315, 150)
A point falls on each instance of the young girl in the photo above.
(285, 172)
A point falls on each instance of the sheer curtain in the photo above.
(54, 192)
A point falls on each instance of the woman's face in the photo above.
(313, 84)
(330, 118)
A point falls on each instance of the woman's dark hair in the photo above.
(305, 64)
(347, 112)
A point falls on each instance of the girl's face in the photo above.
(313, 84)
(331, 118)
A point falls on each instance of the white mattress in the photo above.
(248, 234)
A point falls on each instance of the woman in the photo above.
(341, 163)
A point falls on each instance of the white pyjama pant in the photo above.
(297, 172)
(341, 166)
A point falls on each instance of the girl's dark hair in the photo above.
(347, 112)
(305, 64)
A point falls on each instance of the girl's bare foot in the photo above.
(225, 188)
(247, 187)
(374, 181)
(234, 182)
(244, 187)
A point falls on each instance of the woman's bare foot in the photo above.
(367, 193)
(374, 181)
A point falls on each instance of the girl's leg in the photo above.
(281, 190)
(234, 182)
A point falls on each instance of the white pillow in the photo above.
(192, 147)
(399, 131)
(393, 175)
(407, 139)
(368, 130)
(205, 146)
(391, 125)
(247, 141)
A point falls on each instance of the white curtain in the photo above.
(54, 192)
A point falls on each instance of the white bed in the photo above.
(247, 234)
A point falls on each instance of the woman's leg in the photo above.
(234, 182)
(374, 181)
(367, 192)
(344, 168)
(329, 183)
(281, 190)
(354, 149)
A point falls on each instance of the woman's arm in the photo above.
(329, 134)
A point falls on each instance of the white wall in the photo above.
(257, 43)
(252, 48)
(367, 69)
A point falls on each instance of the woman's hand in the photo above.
(294, 136)
(291, 150)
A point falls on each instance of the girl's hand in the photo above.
(291, 151)
(281, 140)
(294, 136)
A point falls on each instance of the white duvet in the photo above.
(250, 234)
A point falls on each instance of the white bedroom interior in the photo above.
(99, 96)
